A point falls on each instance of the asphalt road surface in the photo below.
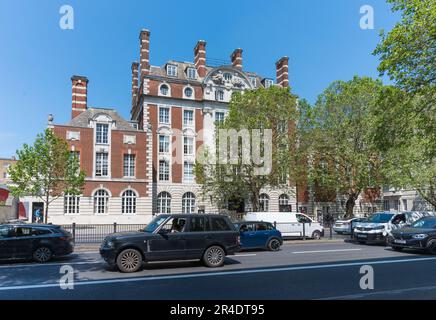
(299, 271)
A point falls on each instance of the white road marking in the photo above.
(217, 274)
(245, 255)
(34, 265)
(322, 251)
(382, 292)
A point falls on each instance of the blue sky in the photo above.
(37, 58)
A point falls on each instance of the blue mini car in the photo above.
(259, 235)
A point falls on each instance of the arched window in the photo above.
(101, 199)
(284, 205)
(163, 203)
(263, 202)
(128, 200)
(71, 204)
(188, 203)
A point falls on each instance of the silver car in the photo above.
(344, 226)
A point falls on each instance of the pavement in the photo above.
(309, 270)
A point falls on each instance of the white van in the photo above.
(290, 224)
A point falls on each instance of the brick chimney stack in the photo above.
(200, 58)
(144, 38)
(80, 95)
(282, 67)
(135, 67)
(236, 58)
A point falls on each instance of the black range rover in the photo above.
(173, 237)
(420, 235)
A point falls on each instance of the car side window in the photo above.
(302, 219)
(40, 232)
(219, 224)
(198, 224)
(246, 228)
(4, 231)
(261, 227)
(21, 232)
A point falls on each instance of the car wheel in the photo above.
(129, 260)
(273, 245)
(316, 235)
(42, 254)
(431, 247)
(214, 257)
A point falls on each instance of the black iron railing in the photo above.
(95, 233)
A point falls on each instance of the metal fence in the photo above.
(95, 233)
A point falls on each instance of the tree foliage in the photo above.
(336, 140)
(46, 170)
(406, 115)
(253, 112)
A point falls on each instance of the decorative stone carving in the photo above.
(218, 78)
(73, 135)
(128, 139)
(237, 82)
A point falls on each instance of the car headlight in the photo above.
(420, 236)
(109, 244)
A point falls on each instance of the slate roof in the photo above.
(82, 119)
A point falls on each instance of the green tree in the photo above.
(336, 140)
(260, 113)
(407, 142)
(46, 170)
(405, 129)
(408, 52)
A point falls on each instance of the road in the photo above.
(299, 271)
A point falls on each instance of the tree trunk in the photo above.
(349, 206)
(46, 209)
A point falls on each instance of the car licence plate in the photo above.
(363, 236)
(400, 241)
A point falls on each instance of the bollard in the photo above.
(275, 225)
(115, 227)
(304, 230)
(73, 231)
(331, 230)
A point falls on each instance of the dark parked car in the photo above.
(420, 235)
(39, 242)
(173, 237)
(259, 235)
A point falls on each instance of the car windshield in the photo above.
(155, 223)
(380, 218)
(425, 224)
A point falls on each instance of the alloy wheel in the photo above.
(215, 256)
(130, 260)
(42, 254)
(274, 245)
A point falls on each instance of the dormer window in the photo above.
(227, 76)
(191, 73)
(253, 81)
(268, 83)
(171, 70)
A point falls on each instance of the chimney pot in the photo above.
(79, 95)
(200, 58)
(282, 68)
(144, 43)
(236, 58)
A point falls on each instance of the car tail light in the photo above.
(65, 238)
